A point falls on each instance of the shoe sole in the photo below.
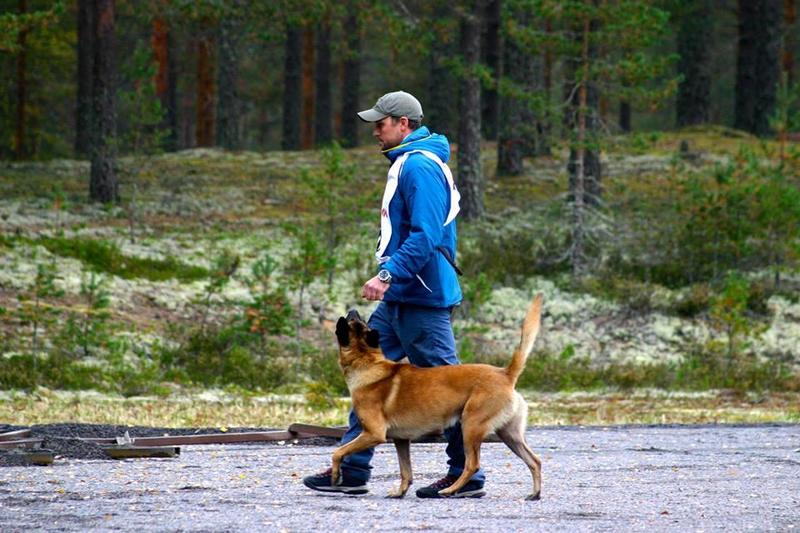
(353, 491)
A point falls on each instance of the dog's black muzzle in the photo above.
(352, 314)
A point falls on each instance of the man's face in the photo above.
(391, 131)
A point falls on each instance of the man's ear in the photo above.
(373, 338)
(343, 332)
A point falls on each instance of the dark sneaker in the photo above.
(473, 489)
(347, 484)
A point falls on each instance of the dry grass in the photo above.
(642, 407)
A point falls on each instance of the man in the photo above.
(417, 283)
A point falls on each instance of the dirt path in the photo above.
(595, 479)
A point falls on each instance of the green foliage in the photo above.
(513, 246)
(635, 295)
(320, 396)
(786, 117)
(141, 106)
(308, 260)
(695, 300)
(224, 267)
(476, 290)
(323, 368)
(741, 215)
(34, 310)
(728, 316)
(336, 202)
(270, 311)
(709, 367)
(87, 329)
(703, 368)
(223, 356)
(114, 373)
(12, 24)
(104, 256)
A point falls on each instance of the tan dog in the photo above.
(404, 402)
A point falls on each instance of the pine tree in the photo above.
(351, 82)
(694, 40)
(229, 107)
(758, 63)
(292, 82)
(103, 185)
(470, 175)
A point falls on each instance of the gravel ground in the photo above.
(682, 478)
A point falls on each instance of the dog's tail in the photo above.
(530, 328)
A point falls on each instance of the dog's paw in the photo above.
(396, 493)
(533, 497)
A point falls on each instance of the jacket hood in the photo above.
(422, 139)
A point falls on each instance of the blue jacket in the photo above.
(417, 212)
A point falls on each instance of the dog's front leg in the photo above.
(365, 440)
(403, 447)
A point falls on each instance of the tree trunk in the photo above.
(470, 177)
(694, 42)
(351, 84)
(789, 39)
(228, 104)
(103, 186)
(492, 53)
(83, 107)
(625, 116)
(547, 83)
(323, 111)
(161, 43)
(292, 85)
(307, 122)
(584, 157)
(204, 124)
(441, 107)
(517, 120)
(758, 64)
(20, 150)
(577, 252)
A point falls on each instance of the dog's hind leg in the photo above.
(474, 434)
(403, 447)
(513, 435)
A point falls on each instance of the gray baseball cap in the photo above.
(396, 104)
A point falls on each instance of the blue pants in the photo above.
(425, 336)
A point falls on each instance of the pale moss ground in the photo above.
(214, 409)
(196, 203)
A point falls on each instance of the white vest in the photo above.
(392, 179)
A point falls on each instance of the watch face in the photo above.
(384, 275)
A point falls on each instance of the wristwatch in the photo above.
(385, 276)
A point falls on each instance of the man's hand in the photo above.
(374, 289)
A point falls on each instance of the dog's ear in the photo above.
(343, 332)
(373, 338)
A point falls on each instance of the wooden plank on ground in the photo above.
(15, 435)
(20, 443)
(136, 452)
(308, 430)
(209, 438)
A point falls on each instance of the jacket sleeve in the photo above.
(425, 195)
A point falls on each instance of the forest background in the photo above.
(187, 193)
